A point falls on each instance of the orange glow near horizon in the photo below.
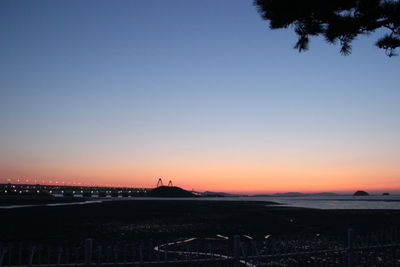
(234, 178)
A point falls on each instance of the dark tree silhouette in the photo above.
(339, 21)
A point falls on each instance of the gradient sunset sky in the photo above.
(200, 92)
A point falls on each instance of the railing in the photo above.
(378, 249)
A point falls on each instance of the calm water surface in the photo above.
(315, 202)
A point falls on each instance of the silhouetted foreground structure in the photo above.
(377, 249)
(123, 230)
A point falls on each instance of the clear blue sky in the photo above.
(197, 90)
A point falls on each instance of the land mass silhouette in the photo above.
(170, 191)
(360, 193)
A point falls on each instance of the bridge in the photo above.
(160, 183)
(70, 191)
(27, 189)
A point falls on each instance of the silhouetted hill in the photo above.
(297, 194)
(360, 193)
(170, 191)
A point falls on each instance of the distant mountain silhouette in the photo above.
(297, 194)
(289, 194)
(220, 194)
(169, 191)
(214, 194)
(360, 193)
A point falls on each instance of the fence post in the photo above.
(99, 254)
(3, 253)
(67, 255)
(141, 253)
(236, 250)
(350, 248)
(39, 254)
(116, 250)
(59, 253)
(166, 253)
(10, 256)
(20, 254)
(88, 251)
(31, 254)
(151, 248)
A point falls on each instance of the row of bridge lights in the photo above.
(107, 192)
(26, 191)
(51, 182)
(62, 191)
(42, 181)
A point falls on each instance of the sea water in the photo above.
(315, 202)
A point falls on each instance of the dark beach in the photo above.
(160, 219)
(37, 200)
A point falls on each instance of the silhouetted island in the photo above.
(360, 193)
(169, 191)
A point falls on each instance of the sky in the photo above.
(202, 93)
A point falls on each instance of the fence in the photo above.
(375, 249)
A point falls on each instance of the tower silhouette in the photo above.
(170, 183)
(159, 183)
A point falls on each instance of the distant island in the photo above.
(360, 193)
